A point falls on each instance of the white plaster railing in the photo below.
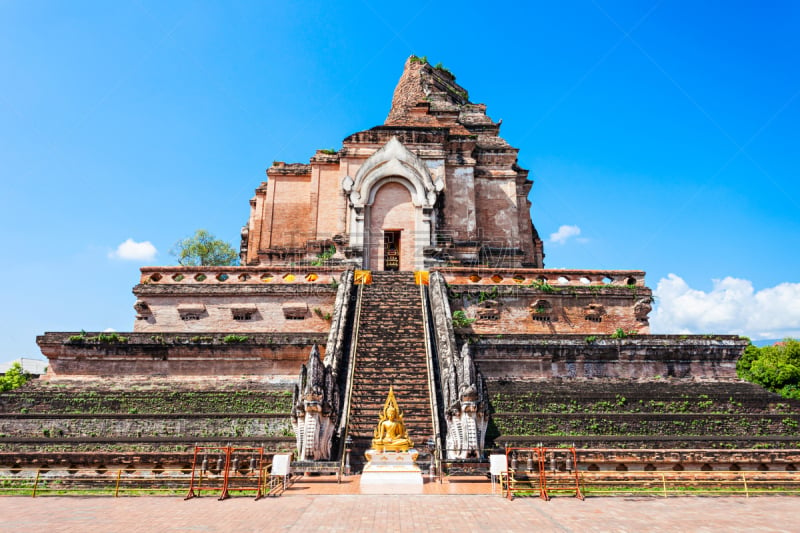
(171, 275)
(551, 276)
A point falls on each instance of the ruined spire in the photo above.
(424, 88)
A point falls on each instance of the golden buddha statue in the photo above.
(391, 434)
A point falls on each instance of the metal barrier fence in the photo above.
(665, 484)
(234, 475)
(658, 484)
(82, 482)
(174, 482)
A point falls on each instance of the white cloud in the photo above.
(131, 250)
(109, 330)
(732, 306)
(564, 233)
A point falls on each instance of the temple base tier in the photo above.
(391, 473)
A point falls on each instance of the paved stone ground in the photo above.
(412, 513)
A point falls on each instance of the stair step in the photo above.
(391, 352)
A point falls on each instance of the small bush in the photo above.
(235, 339)
(460, 319)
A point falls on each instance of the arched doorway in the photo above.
(392, 221)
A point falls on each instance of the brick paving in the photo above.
(300, 512)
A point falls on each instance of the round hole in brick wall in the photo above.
(678, 468)
(72, 469)
(244, 277)
(497, 278)
(101, 469)
(311, 278)
(177, 277)
(630, 281)
(541, 279)
(266, 278)
(706, 467)
(158, 469)
(563, 280)
(130, 469)
(186, 469)
(222, 278)
(474, 278)
(288, 278)
(734, 467)
(608, 280)
(649, 467)
(791, 468)
(200, 277)
(621, 468)
(585, 280)
(16, 469)
(518, 279)
(155, 277)
(593, 468)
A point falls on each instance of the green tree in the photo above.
(203, 249)
(776, 368)
(14, 377)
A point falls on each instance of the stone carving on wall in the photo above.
(488, 310)
(541, 310)
(314, 409)
(642, 309)
(466, 407)
(594, 312)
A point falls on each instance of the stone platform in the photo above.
(391, 473)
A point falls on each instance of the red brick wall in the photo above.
(291, 211)
(332, 204)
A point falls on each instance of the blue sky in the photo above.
(665, 133)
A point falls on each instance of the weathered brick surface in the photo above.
(576, 357)
(522, 310)
(277, 357)
(236, 306)
(654, 413)
(482, 198)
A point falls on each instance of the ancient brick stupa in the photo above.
(409, 257)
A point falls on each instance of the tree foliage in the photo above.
(203, 249)
(14, 377)
(776, 368)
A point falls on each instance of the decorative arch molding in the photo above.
(392, 159)
(392, 163)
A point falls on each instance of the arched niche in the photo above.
(390, 169)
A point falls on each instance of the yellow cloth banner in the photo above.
(362, 277)
(421, 277)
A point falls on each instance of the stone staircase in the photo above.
(390, 351)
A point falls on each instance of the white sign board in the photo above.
(281, 464)
(498, 464)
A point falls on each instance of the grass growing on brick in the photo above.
(155, 402)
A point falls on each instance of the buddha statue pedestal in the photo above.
(391, 473)
(392, 466)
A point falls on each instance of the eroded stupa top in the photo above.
(429, 96)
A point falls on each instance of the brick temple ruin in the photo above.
(406, 258)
